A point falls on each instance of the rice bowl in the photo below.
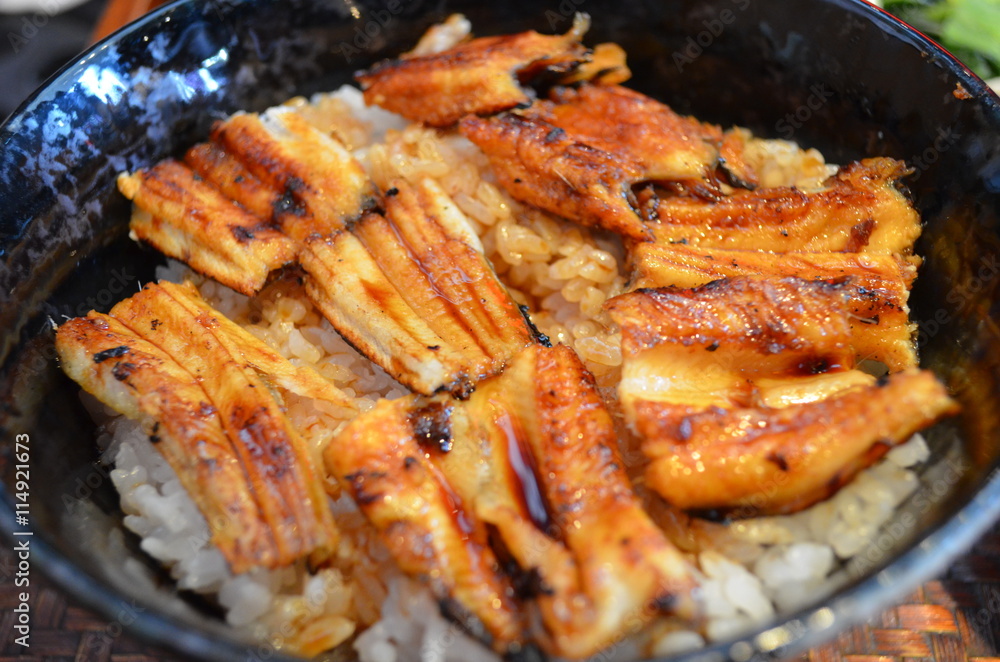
(315, 345)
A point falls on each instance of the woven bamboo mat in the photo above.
(952, 619)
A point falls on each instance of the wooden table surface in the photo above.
(952, 619)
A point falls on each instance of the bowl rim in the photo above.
(924, 556)
(148, 625)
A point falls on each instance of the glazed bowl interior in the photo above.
(836, 75)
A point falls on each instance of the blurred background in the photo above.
(36, 38)
(39, 36)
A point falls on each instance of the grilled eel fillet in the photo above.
(185, 218)
(270, 190)
(753, 460)
(569, 159)
(729, 342)
(665, 145)
(614, 569)
(516, 498)
(605, 65)
(413, 292)
(543, 165)
(859, 210)
(381, 461)
(481, 76)
(202, 389)
(239, 205)
(877, 286)
(744, 395)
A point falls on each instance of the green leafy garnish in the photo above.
(968, 28)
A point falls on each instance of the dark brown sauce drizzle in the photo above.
(431, 425)
(453, 503)
(524, 471)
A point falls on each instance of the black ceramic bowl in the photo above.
(837, 75)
